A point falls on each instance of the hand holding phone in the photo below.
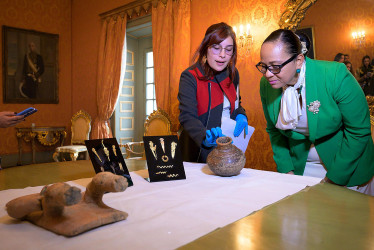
(27, 112)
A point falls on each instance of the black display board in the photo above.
(106, 155)
(164, 159)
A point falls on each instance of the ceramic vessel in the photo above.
(226, 159)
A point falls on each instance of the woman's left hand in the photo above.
(241, 123)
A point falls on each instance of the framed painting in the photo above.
(30, 66)
(309, 31)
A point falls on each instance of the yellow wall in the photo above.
(50, 17)
(334, 21)
(78, 24)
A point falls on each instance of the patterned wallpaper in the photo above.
(78, 24)
(333, 27)
(50, 16)
(263, 17)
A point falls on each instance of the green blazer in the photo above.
(340, 130)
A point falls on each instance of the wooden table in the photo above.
(47, 136)
(324, 216)
(48, 173)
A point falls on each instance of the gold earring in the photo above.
(229, 64)
(203, 60)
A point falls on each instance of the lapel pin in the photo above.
(314, 107)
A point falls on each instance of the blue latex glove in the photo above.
(241, 123)
(211, 137)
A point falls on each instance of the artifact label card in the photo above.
(164, 159)
(106, 155)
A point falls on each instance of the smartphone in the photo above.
(27, 112)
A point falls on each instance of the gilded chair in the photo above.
(157, 123)
(134, 150)
(370, 100)
(80, 131)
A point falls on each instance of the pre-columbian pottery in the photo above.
(226, 159)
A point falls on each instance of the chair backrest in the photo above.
(80, 127)
(370, 100)
(157, 123)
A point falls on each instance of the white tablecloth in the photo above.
(162, 215)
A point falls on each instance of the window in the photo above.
(150, 93)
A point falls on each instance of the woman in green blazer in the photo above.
(315, 111)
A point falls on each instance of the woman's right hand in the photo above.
(211, 137)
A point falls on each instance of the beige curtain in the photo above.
(112, 51)
(171, 52)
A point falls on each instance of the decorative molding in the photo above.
(133, 9)
(131, 79)
(131, 91)
(122, 109)
(122, 123)
(294, 13)
(131, 63)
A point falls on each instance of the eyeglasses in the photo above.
(216, 49)
(275, 69)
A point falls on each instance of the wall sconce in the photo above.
(359, 38)
(244, 39)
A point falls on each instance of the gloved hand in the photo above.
(211, 137)
(241, 123)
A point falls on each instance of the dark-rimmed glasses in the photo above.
(275, 69)
(217, 48)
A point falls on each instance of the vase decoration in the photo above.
(226, 159)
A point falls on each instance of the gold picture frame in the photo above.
(30, 66)
(294, 13)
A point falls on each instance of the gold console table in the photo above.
(47, 136)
